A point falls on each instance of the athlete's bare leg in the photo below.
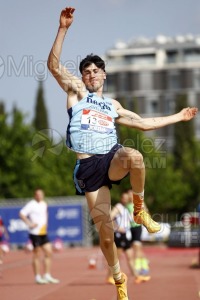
(99, 203)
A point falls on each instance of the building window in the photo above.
(140, 105)
(145, 80)
(172, 56)
(191, 55)
(173, 80)
(154, 106)
(196, 78)
(141, 60)
(198, 100)
(110, 83)
(159, 79)
(123, 81)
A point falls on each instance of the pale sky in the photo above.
(28, 29)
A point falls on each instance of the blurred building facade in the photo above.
(147, 76)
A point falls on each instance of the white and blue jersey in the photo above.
(91, 127)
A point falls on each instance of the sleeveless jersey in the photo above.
(91, 127)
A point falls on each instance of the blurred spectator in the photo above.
(35, 215)
(3, 236)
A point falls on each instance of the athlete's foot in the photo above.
(142, 217)
(110, 280)
(122, 288)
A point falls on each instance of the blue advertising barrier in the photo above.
(65, 222)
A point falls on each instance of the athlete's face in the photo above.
(93, 78)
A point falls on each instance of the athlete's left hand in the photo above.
(188, 113)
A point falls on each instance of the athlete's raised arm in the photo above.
(66, 80)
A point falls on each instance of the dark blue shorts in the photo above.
(38, 240)
(92, 173)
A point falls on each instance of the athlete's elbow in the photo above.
(53, 69)
(50, 66)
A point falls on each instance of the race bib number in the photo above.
(96, 121)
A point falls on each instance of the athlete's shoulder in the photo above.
(74, 98)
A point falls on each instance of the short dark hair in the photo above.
(92, 59)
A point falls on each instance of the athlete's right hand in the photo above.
(66, 17)
(33, 225)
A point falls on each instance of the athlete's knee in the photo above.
(106, 236)
(138, 161)
(133, 158)
(107, 241)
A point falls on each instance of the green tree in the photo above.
(2, 108)
(164, 189)
(186, 155)
(15, 168)
(23, 166)
(56, 165)
(41, 117)
(184, 136)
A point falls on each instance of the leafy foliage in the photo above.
(21, 171)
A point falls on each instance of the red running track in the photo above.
(172, 276)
